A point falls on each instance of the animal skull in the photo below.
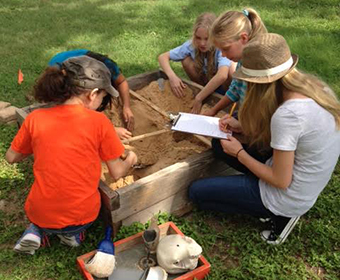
(178, 254)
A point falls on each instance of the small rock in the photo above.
(8, 114)
(4, 104)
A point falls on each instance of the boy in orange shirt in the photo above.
(68, 142)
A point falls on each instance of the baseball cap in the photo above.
(90, 73)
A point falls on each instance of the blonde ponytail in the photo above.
(229, 26)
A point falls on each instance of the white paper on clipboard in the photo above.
(199, 124)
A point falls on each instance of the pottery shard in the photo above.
(4, 104)
(8, 114)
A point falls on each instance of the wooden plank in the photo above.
(139, 81)
(177, 204)
(153, 106)
(110, 198)
(146, 135)
(21, 115)
(158, 186)
(147, 192)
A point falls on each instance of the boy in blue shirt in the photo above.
(118, 82)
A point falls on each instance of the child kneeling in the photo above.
(68, 142)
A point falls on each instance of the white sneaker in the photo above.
(29, 241)
(69, 240)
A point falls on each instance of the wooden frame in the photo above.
(164, 190)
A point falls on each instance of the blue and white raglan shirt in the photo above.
(237, 89)
(59, 58)
(187, 49)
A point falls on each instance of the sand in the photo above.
(160, 151)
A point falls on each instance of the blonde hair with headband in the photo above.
(229, 26)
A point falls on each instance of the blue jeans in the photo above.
(233, 161)
(70, 230)
(238, 194)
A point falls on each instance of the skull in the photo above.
(178, 254)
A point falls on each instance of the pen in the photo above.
(231, 113)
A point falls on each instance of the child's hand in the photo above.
(177, 86)
(229, 123)
(128, 118)
(131, 158)
(196, 108)
(123, 133)
(231, 146)
(210, 112)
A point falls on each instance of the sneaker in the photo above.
(264, 220)
(71, 240)
(280, 229)
(29, 241)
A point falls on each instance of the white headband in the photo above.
(268, 72)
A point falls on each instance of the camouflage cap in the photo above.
(90, 73)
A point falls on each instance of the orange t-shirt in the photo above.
(68, 143)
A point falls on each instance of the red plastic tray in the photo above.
(200, 272)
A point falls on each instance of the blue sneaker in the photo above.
(72, 240)
(29, 241)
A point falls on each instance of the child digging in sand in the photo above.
(118, 82)
(201, 61)
(68, 142)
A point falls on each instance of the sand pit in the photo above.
(156, 153)
(167, 101)
(160, 151)
(146, 119)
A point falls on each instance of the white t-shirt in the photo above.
(301, 125)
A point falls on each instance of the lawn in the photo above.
(133, 33)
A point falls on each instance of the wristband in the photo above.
(239, 152)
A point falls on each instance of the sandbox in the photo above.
(155, 152)
(171, 160)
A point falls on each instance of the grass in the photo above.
(134, 33)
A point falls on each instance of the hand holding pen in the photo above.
(228, 123)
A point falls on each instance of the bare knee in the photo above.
(189, 68)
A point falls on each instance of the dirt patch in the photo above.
(167, 101)
(156, 153)
(146, 119)
(160, 151)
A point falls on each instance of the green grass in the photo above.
(133, 33)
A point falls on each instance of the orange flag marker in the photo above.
(20, 77)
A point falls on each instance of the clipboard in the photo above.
(199, 124)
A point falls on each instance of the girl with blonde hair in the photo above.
(300, 119)
(201, 61)
(231, 32)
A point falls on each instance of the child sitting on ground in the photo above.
(118, 82)
(68, 142)
(201, 61)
